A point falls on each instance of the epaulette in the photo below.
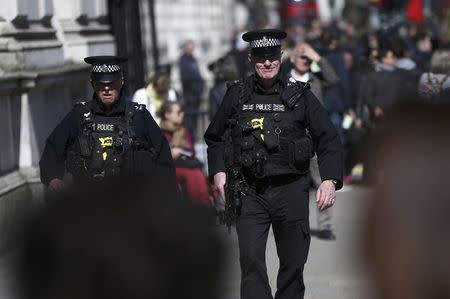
(80, 103)
(84, 108)
(293, 92)
(235, 82)
(138, 107)
(293, 82)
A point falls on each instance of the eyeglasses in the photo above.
(111, 85)
(262, 59)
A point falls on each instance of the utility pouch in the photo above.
(302, 150)
(227, 138)
(85, 149)
(248, 143)
(246, 159)
(74, 164)
(246, 127)
(260, 161)
(270, 138)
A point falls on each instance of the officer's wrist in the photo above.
(334, 182)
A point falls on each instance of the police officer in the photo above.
(265, 132)
(106, 137)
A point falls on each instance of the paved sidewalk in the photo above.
(333, 270)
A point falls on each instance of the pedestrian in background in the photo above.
(302, 58)
(386, 85)
(192, 82)
(189, 169)
(155, 93)
(239, 54)
(337, 98)
(225, 72)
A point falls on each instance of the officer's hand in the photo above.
(326, 195)
(56, 185)
(219, 182)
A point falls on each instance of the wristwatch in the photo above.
(334, 183)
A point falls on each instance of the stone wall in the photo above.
(42, 44)
(9, 126)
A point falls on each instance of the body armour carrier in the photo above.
(267, 139)
(105, 144)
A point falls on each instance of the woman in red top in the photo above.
(189, 171)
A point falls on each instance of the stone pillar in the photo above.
(83, 26)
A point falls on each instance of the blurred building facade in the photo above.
(209, 23)
(42, 74)
(42, 44)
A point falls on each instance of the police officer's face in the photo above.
(267, 68)
(108, 93)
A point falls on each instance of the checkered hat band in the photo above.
(265, 42)
(105, 68)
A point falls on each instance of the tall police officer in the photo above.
(107, 136)
(260, 143)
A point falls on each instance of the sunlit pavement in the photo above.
(334, 269)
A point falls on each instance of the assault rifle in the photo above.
(234, 193)
(235, 183)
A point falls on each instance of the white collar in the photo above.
(302, 78)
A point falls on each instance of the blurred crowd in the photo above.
(357, 74)
(376, 70)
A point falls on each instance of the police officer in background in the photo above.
(259, 146)
(106, 137)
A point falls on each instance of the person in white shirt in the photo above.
(156, 92)
(304, 58)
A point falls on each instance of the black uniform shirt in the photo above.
(52, 163)
(310, 112)
(275, 90)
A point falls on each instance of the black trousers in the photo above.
(282, 203)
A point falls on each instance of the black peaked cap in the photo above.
(105, 68)
(259, 34)
(265, 42)
(105, 59)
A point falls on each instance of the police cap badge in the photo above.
(264, 42)
(105, 69)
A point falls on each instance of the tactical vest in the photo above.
(105, 144)
(268, 139)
